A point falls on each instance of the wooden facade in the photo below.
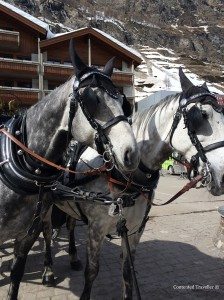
(31, 64)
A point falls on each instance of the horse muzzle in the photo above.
(217, 188)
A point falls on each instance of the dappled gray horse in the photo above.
(191, 123)
(88, 108)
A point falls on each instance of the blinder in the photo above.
(195, 118)
(90, 100)
(127, 108)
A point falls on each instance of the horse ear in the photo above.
(184, 81)
(77, 63)
(108, 69)
(204, 85)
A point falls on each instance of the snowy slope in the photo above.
(159, 72)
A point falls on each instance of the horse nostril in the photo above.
(128, 157)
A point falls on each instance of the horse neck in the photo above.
(47, 123)
(152, 130)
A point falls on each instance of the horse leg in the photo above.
(126, 267)
(21, 250)
(95, 240)
(48, 275)
(75, 262)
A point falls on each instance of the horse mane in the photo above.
(141, 119)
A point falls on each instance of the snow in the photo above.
(100, 16)
(150, 25)
(204, 27)
(29, 17)
(162, 71)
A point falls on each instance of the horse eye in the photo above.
(204, 114)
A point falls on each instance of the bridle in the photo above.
(102, 141)
(26, 168)
(201, 151)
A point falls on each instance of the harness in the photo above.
(201, 151)
(27, 175)
(15, 172)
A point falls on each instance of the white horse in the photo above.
(191, 123)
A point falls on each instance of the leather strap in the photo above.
(186, 188)
(50, 163)
(114, 121)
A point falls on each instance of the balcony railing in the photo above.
(16, 66)
(59, 71)
(9, 40)
(24, 96)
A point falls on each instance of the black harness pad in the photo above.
(13, 172)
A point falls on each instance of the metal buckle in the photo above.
(3, 162)
(120, 206)
(108, 157)
(206, 173)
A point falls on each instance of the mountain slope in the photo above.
(193, 29)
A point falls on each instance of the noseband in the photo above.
(201, 151)
(102, 141)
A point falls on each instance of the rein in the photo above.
(147, 190)
(89, 172)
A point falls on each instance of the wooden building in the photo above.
(34, 61)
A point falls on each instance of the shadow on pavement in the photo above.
(165, 270)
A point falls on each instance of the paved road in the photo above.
(176, 258)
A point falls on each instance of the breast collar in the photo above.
(147, 183)
(18, 171)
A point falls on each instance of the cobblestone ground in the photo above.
(176, 258)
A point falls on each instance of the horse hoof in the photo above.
(76, 265)
(48, 280)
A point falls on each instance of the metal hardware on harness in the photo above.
(79, 195)
(3, 162)
(120, 206)
(108, 158)
(206, 173)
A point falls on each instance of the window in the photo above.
(25, 84)
(24, 57)
(7, 28)
(54, 61)
(8, 83)
(5, 55)
(52, 86)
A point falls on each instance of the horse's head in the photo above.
(199, 135)
(100, 121)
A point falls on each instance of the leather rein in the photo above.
(88, 172)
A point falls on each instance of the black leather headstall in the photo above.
(203, 99)
(15, 172)
(87, 98)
